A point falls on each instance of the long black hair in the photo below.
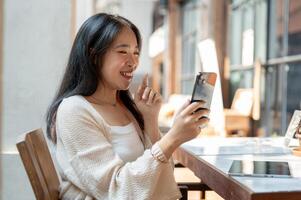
(82, 72)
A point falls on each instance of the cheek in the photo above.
(137, 62)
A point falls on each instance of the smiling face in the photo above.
(120, 61)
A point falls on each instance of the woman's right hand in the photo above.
(187, 125)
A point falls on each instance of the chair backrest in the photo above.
(38, 164)
(243, 101)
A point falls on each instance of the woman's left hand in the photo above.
(148, 100)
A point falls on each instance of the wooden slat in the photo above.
(38, 165)
(33, 175)
(256, 86)
(45, 161)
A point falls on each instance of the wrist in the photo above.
(151, 118)
(168, 144)
(158, 154)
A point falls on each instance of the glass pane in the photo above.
(248, 16)
(294, 35)
(293, 89)
(191, 12)
(274, 97)
(240, 79)
(236, 21)
(187, 86)
(276, 28)
(272, 107)
(261, 30)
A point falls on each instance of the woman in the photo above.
(108, 145)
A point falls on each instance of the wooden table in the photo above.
(211, 158)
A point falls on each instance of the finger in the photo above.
(157, 97)
(144, 83)
(192, 107)
(201, 113)
(138, 94)
(151, 95)
(146, 93)
(142, 87)
(202, 122)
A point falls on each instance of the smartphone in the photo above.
(203, 88)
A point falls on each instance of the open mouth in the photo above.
(127, 75)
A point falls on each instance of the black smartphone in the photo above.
(204, 87)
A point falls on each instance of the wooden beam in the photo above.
(256, 88)
(173, 48)
(219, 17)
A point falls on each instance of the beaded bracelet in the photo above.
(158, 154)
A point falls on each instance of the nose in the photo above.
(132, 61)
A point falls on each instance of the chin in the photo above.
(124, 87)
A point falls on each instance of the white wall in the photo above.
(36, 43)
(140, 13)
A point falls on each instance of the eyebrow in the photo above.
(123, 45)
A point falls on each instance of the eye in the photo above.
(122, 52)
(137, 53)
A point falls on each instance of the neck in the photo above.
(105, 96)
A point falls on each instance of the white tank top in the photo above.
(126, 142)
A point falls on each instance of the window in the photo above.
(247, 35)
(283, 94)
(193, 13)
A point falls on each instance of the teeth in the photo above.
(127, 73)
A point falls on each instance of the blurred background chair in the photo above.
(239, 117)
(187, 181)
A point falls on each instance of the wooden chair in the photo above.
(239, 116)
(38, 164)
(189, 182)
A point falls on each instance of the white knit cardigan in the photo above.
(89, 167)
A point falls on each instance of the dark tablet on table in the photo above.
(260, 168)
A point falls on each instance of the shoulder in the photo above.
(73, 105)
(78, 108)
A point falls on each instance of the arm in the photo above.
(186, 126)
(149, 103)
(152, 129)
